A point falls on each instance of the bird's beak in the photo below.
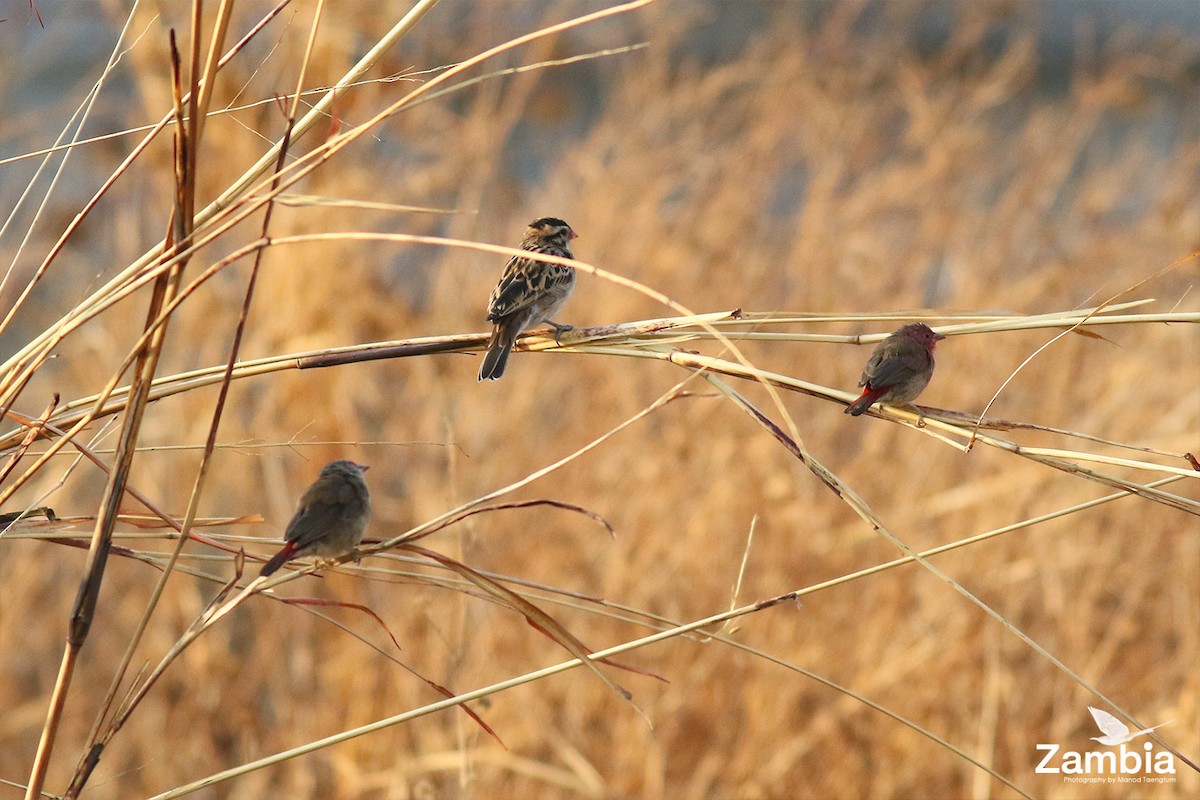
(573, 235)
(363, 467)
(937, 337)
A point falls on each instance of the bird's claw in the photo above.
(916, 410)
(559, 329)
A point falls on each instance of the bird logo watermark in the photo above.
(1125, 765)
(1116, 732)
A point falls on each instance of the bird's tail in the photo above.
(279, 559)
(864, 401)
(496, 357)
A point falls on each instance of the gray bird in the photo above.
(899, 369)
(331, 517)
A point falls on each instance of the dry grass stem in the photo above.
(298, 273)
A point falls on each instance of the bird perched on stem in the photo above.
(330, 518)
(899, 369)
(530, 291)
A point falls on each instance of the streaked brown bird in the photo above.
(331, 517)
(530, 291)
(899, 369)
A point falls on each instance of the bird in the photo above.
(899, 368)
(530, 291)
(1115, 732)
(330, 518)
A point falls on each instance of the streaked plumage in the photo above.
(530, 291)
(330, 518)
(899, 368)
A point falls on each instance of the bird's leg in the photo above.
(336, 561)
(558, 329)
(325, 563)
(920, 414)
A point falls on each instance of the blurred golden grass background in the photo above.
(827, 157)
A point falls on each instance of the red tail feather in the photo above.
(279, 559)
(864, 401)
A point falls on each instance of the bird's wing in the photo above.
(890, 369)
(1108, 724)
(316, 517)
(309, 524)
(525, 281)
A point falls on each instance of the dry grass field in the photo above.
(830, 169)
